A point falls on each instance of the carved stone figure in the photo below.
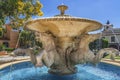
(62, 58)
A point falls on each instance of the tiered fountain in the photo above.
(65, 41)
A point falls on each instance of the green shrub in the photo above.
(98, 44)
(117, 57)
(9, 49)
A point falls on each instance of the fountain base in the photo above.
(63, 71)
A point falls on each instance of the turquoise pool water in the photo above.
(26, 71)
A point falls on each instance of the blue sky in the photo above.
(100, 10)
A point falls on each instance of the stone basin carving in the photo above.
(65, 41)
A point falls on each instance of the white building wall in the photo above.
(117, 38)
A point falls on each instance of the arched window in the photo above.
(112, 38)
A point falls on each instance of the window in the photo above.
(6, 44)
(107, 27)
(113, 39)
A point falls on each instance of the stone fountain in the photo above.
(65, 41)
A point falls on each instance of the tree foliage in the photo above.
(98, 44)
(18, 11)
(27, 39)
(1, 32)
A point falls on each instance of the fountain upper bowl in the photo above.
(63, 26)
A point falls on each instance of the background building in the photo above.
(112, 35)
(9, 37)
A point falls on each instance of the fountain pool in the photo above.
(26, 71)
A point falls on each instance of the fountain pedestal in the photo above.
(62, 70)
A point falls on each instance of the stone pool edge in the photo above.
(108, 61)
(15, 62)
